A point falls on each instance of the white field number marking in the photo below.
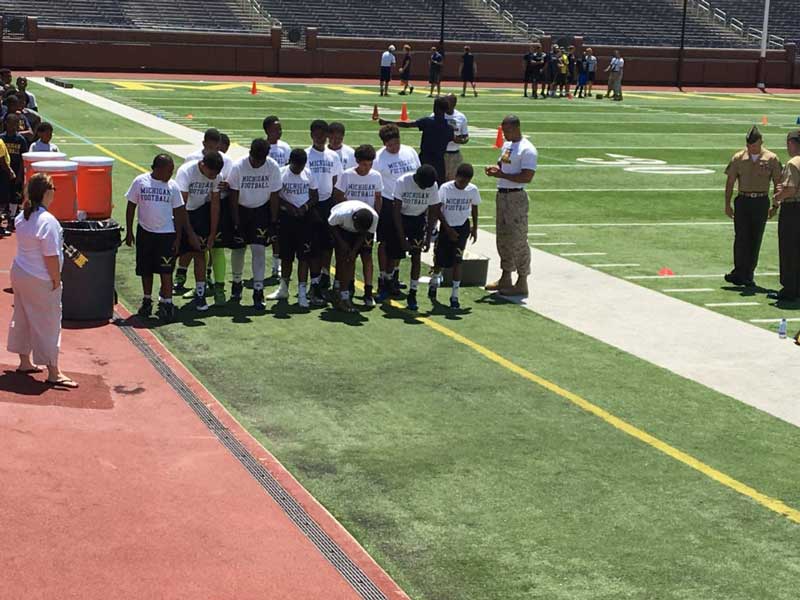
(652, 166)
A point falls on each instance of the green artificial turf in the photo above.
(463, 479)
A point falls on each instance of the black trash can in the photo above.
(90, 258)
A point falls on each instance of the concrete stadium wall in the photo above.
(96, 49)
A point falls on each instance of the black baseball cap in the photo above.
(794, 135)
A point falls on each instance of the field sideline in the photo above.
(472, 482)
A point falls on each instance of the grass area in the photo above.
(461, 478)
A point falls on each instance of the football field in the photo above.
(491, 453)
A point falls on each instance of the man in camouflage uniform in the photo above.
(787, 199)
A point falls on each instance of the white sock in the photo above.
(345, 295)
(301, 289)
(336, 284)
(147, 297)
(165, 300)
(237, 264)
(434, 280)
(200, 288)
(315, 280)
(414, 284)
(456, 285)
(325, 271)
(259, 253)
(276, 262)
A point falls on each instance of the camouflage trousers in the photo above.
(512, 232)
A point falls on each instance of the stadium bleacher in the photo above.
(222, 15)
(784, 16)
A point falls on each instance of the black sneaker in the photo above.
(411, 90)
(432, 289)
(146, 309)
(236, 291)
(733, 279)
(180, 283)
(412, 300)
(369, 301)
(398, 285)
(315, 297)
(454, 303)
(352, 288)
(258, 300)
(166, 312)
(199, 303)
(324, 281)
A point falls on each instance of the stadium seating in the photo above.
(222, 15)
(784, 16)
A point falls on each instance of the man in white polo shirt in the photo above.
(614, 70)
(458, 121)
(515, 169)
(388, 61)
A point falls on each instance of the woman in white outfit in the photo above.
(35, 330)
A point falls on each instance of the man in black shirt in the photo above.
(534, 64)
(435, 77)
(436, 134)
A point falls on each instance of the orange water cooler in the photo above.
(31, 157)
(94, 185)
(64, 174)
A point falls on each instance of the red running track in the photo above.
(118, 490)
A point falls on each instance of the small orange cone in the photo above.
(254, 89)
(404, 112)
(375, 115)
(764, 120)
(498, 143)
(666, 272)
(190, 116)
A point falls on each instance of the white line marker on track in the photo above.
(609, 265)
(715, 304)
(583, 254)
(687, 290)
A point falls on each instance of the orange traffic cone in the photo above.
(404, 112)
(498, 143)
(254, 89)
(764, 120)
(375, 115)
(190, 116)
(666, 272)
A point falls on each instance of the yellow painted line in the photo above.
(772, 504)
(653, 96)
(121, 159)
(348, 90)
(139, 86)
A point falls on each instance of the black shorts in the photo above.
(386, 73)
(414, 230)
(533, 76)
(10, 191)
(591, 76)
(386, 229)
(435, 76)
(155, 252)
(321, 236)
(449, 253)
(468, 76)
(200, 220)
(350, 237)
(405, 75)
(561, 79)
(255, 227)
(294, 236)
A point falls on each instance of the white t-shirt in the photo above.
(591, 63)
(255, 186)
(347, 155)
(156, 201)
(295, 187)
(40, 146)
(279, 152)
(360, 187)
(457, 204)
(391, 166)
(342, 215)
(414, 200)
(458, 121)
(387, 59)
(227, 165)
(198, 186)
(39, 236)
(325, 165)
(514, 157)
(617, 64)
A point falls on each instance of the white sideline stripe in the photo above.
(621, 310)
(687, 290)
(553, 244)
(716, 304)
(635, 190)
(535, 234)
(582, 254)
(636, 277)
(653, 224)
(609, 265)
(788, 320)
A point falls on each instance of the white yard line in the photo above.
(582, 254)
(626, 190)
(788, 320)
(643, 322)
(610, 265)
(638, 277)
(687, 290)
(553, 244)
(721, 304)
(729, 223)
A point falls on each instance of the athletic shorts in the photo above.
(350, 238)
(583, 78)
(435, 76)
(200, 220)
(533, 76)
(155, 252)
(386, 73)
(592, 75)
(468, 76)
(294, 236)
(405, 75)
(561, 79)
(386, 229)
(414, 229)
(255, 227)
(449, 253)
(321, 236)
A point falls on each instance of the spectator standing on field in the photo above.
(614, 70)
(468, 70)
(435, 75)
(387, 62)
(405, 71)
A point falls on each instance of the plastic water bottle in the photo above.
(782, 329)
